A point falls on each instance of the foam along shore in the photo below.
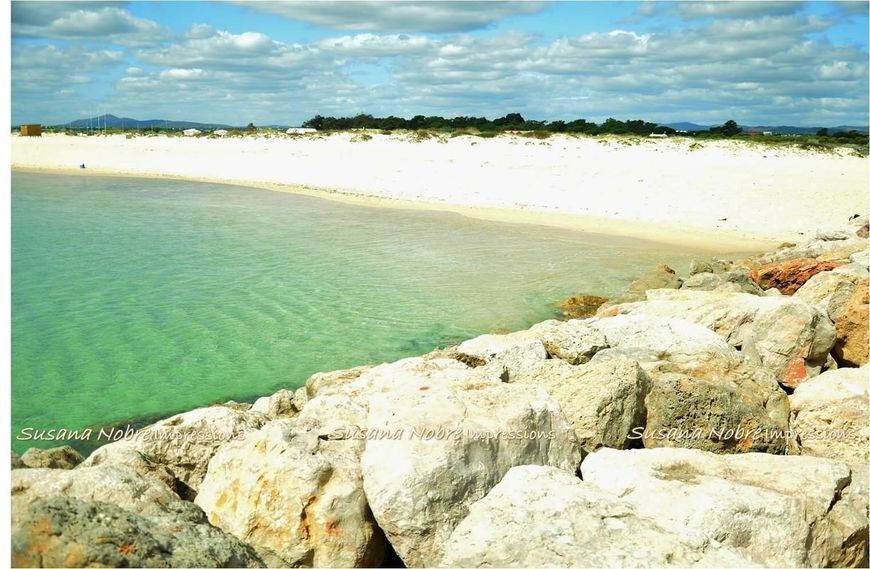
(720, 195)
(720, 420)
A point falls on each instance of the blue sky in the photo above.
(798, 63)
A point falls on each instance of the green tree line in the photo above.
(511, 121)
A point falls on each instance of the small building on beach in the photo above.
(299, 130)
(191, 132)
(31, 130)
(220, 132)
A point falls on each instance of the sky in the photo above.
(759, 63)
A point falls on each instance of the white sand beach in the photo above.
(724, 195)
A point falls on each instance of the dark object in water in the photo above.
(82, 165)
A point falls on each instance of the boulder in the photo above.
(421, 371)
(779, 511)
(237, 405)
(784, 335)
(514, 352)
(581, 306)
(539, 516)
(729, 414)
(603, 400)
(843, 254)
(851, 327)
(812, 249)
(574, 341)
(293, 491)
(789, 276)
(434, 448)
(741, 278)
(64, 457)
(664, 344)
(332, 382)
(855, 269)
(843, 297)
(831, 416)
(181, 445)
(109, 483)
(702, 281)
(715, 266)
(62, 531)
(282, 403)
(835, 233)
(702, 394)
(660, 277)
(828, 291)
(861, 258)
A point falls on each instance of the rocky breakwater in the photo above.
(714, 419)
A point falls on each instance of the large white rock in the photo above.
(282, 403)
(603, 400)
(387, 377)
(513, 352)
(861, 258)
(812, 249)
(182, 444)
(782, 334)
(331, 382)
(434, 448)
(702, 281)
(831, 417)
(780, 511)
(663, 344)
(574, 341)
(702, 394)
(828, 291)
(540, 516)
(293, 491)
(109, 483)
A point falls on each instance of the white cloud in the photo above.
(182, 74)
(749, 69)
(428, 16)
(720, 9)
(83, 20)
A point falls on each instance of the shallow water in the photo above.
(139, 297)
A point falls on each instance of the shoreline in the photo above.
(722, 242)
(717, 196)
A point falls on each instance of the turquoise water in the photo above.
(134, 297)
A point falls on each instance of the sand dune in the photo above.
(722, 194)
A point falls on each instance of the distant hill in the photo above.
(690, 126)
(111, 121)
(803, 129)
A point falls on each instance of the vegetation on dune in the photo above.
(421, 128)
(513, 123)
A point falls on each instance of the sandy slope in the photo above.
(721, 194)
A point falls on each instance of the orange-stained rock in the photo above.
(788, 276)
(852, 342)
